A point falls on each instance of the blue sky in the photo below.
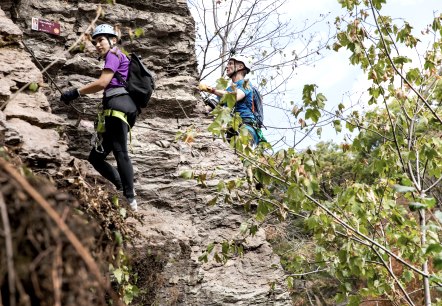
(335, 77)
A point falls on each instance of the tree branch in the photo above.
(406, 296)
(399, 73)
(9, 251)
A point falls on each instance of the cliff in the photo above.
(178, 223)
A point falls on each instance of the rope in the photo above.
(41, 66)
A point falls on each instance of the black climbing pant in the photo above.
(115, 141)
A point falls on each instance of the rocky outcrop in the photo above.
(178, 222)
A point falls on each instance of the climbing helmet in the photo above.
(104, 29)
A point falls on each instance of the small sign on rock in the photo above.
(45, 26)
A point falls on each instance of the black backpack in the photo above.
(140, 82)
(257, 107)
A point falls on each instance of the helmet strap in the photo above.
(110, 43)
(233, 74)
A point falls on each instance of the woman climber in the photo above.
(119, 113)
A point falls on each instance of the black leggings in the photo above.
(115, 140)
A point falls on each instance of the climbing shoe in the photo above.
(133, 204)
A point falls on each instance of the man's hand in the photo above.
(69, 96)
(204, 87)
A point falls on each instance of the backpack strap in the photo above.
(120, 79)
(253, 103)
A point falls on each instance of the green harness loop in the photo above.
(100, 127)
(115, 113)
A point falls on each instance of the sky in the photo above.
(334, 76)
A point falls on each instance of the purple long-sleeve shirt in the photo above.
(116, 61)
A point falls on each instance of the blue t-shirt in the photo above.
(116, 60)
(244, 106)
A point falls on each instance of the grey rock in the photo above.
(9, 32)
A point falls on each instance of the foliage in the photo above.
(371, 206)
(38, 248)
(99, 206)
(124, 277)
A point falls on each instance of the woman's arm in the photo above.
(99, 84)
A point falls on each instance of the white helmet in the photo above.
(246, 60)
(104, 29)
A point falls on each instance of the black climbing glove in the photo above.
(69, 95)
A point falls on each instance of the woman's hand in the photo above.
(69, 95)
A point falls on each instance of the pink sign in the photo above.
(45, 26)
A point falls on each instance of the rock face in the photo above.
(178, 222)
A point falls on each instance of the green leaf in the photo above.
(437, 263)
(321, 99)
(310, 162)
(203, 258)
(403, 189)
(123, 212)
(210, 247)
(350, 126)
(217, 257)
(115, 200)
(414, 76)
(139, 32)
(434, 248)
(438, 215)
(354, 300)
(222, 83)
(290, 282)
(243, 228)
(221, 186)
(225, 247)
(408, 275)
(229, 99)
(33, 87)
(430, 202)
(337, 125)
(436, 25)
(262, 211)
(253, 230)
(336, 46)
(307, 93)
(213, 201)
(118, 273)
(416, 206)
(401, 60)
(118, 237)
(435, 279)
(130, 292)
(313, 114)
(341, 107)
(187, 174)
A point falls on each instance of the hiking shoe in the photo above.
(133, 204)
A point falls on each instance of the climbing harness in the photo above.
(100, 127)
(253, 124)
